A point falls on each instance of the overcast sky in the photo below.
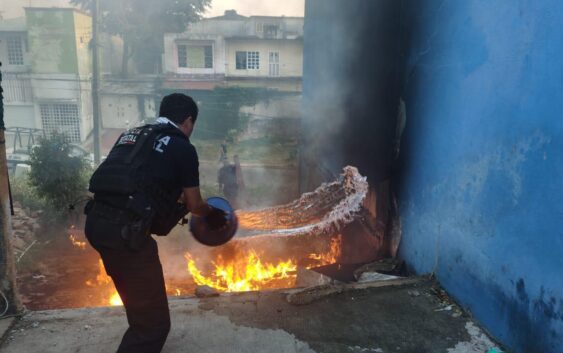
(14, 8)
(258, 7)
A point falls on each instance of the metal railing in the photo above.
(17, 88)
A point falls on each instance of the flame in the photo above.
(104, 281)
(115, 299)
(247, 271)
(105, 284)
(331, 257)
(76, 242)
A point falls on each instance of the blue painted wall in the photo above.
(480, 169)
(481, 187)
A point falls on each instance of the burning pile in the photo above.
(271, 245)
(307, 229)
(247, 270)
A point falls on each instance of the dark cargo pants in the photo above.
(138, 278)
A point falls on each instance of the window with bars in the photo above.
(247, 60)
(61, 117)
(195, 56)
(15, 50)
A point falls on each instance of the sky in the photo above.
(14, 8)
(258, 7)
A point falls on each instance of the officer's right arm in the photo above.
(195, 203)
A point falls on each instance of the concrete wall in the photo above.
(483, 161)
(83, 35)
(290, 57)
(52, 40)
(170, 60)
(480, 167)
(120, 111)
(19, 115)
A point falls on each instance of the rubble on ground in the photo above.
(25, 226)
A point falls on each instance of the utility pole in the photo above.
(95, 82)
(9, 299)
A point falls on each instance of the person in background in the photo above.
(231, 181)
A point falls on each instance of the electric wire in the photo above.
(7, 304)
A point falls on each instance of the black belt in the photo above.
(111, 213)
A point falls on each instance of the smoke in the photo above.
(350, 96)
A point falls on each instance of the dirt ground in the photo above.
(53, 273)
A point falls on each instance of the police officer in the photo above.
(136, 192)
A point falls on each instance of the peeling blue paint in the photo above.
(481, 190)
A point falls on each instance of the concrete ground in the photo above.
(414, 317)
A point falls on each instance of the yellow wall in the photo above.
(290, 62)
(83, 33)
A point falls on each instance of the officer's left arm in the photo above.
(194, 202)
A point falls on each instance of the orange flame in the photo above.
(76, 242)
(103, 280)
(247, 271)
(105, 284)
(332, 256)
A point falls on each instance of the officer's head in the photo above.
(180, 109)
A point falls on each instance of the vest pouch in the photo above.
(163, 223)
(136, 233)
(113, 178)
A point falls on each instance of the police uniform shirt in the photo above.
(174, 164)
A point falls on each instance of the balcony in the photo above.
(17, 88)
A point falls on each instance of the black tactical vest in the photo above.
(125, 175)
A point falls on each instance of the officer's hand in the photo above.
(216, 218)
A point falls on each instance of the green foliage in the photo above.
(25, 194)
(219, 110)
(57, 177)
(142, 24)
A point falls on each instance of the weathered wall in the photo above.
(483, 161)
(52, 41)
(480, 168)
(83, 36)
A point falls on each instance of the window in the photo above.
(61, 117)
(195, 56)
(271, 31)
(15, 50)
(247, 60)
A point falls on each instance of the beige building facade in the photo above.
(235, 50)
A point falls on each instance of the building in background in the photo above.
(16, 70)
(234, 50)
(61, 71)
(48, 74)
(48, 71)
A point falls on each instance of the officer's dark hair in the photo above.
(178, 107)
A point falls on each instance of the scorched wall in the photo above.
(480, 168)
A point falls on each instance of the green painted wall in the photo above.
(52, 41)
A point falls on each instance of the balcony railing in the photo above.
(17, 88)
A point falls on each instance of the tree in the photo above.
(142, 24)
(58, 176)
